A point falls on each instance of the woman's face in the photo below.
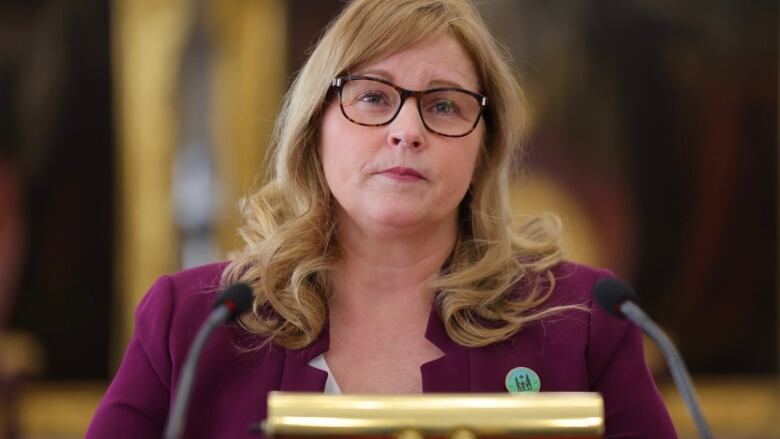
(400, 175)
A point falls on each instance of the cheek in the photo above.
(457, 170)
(339, 153)
(463, 165)
(330, 140)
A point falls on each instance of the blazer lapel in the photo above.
(297, 375)
(451, 371)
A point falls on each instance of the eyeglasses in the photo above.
(447, 111)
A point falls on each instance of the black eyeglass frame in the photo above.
(338, 84)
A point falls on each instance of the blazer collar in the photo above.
(448, 373)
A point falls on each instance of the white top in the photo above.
(331, 387)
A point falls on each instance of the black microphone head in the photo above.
(237, 298)
(611, 293)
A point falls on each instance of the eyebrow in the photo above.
(384, 74)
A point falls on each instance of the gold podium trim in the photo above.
(546, 414)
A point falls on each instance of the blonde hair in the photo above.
(496, 275)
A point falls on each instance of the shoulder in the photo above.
(572, 286)
(176, 305)
(197, 285)
(574, 283)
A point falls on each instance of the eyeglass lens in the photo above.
(449, 112)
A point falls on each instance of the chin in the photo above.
(397, 219)
(389, 214)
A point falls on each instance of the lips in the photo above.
(402, 174)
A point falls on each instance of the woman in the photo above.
(382, 251)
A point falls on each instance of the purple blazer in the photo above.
(573, 351)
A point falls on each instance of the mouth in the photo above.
(402, 174)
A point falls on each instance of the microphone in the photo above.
(617, 299)
(234, 301)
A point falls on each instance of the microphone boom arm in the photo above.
(176, 420)
(673, 358)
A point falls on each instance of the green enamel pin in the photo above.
(522, 379)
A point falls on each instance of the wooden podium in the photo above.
(455, 416)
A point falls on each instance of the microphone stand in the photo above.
(676, 365)
(176, 421)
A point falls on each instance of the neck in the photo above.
(390, 267)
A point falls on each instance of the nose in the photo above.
(406, 129)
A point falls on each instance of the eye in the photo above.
(444, 107)
(372, 97)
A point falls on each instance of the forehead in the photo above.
(440, 61)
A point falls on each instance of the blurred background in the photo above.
(130, 128)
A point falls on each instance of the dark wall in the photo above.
(55, 83)
(662, 116)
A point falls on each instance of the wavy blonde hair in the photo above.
(497, 275)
